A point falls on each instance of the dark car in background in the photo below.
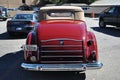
(110, 16)
(4, 13)
(21, 23)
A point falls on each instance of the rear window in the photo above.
(24, 16)
(59, 14)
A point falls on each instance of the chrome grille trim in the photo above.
(61, 62)
(66, 53)
(60, 51)
(47, 46)
(61, 39)
(61, 56)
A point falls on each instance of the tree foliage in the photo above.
(58, 2)
(72, 1)
(41, 3)
(91, 1)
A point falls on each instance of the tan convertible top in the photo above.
(74, 8)
(78, 12)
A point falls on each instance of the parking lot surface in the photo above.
(11, 56)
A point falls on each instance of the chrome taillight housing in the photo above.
(30, 53)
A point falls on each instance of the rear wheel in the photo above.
(102, 24)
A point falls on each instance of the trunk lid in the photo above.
(19, 23)
(61, 41)
(61, 29)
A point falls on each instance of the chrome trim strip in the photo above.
(54, 51)
(62, 67)
(61, 61)
(61, 56)
(61, 46)
(61, 39)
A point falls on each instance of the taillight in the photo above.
(31, 56)
(8, 23)
(31, 53)
(32, 23)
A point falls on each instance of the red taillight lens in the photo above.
(32, 23)
(31, 56)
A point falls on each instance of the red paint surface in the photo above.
(61, 29)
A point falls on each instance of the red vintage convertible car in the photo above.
(61, 42)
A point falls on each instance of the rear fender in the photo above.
(31, 39)
(31, 56)
(92, 45)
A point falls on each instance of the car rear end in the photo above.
(61, 42)
(20, 26)
(60, 47)
(21, 23)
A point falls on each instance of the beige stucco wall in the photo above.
(13, 4)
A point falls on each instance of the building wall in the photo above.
(13, 3)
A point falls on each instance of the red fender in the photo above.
(31, 40)
(92, 44)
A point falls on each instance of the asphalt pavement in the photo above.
(11, 56)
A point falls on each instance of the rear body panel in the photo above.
(62, 41)
(61, 29)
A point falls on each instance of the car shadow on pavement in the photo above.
(112, 31)
(10, 70)
(6, 36)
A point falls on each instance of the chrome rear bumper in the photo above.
(62, 67)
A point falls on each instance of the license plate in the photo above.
(30, 47)
(19, 28)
